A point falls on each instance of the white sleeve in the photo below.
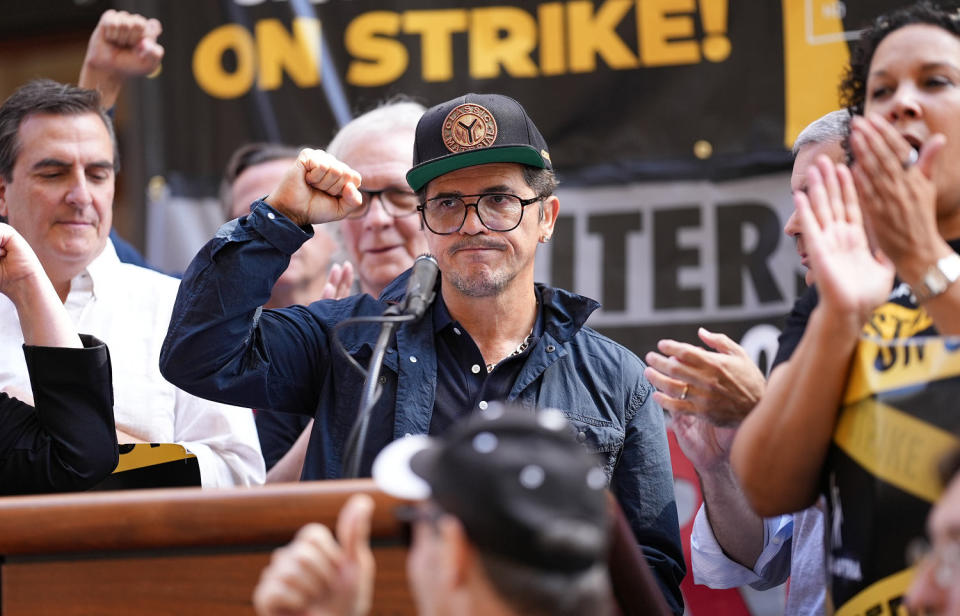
(224, 439)
(713, 568)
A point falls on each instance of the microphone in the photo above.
(420, 285)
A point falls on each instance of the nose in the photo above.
(904, 105)
(79, 194)
(377, 216)
(472, 224)
(792, 228)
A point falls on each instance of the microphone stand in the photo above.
(419, 295)
(371, 391)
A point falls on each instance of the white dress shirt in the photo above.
(792, 547)
(129, 307)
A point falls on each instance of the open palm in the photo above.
(851, 277)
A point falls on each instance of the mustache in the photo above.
(472, 243)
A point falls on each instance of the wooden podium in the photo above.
(173, 551)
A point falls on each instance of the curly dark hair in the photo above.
(853, 88)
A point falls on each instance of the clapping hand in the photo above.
(851, 277)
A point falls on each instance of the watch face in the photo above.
(939, 277)
(950, 267)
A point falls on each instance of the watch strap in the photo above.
(938, 278)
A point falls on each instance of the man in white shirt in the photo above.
(58, 162)
(709, 393)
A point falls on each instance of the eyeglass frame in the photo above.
(475, 205)
(362, 211)
(407, 515)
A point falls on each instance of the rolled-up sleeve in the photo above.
(713, 568)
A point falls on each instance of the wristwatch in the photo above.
(938, 278)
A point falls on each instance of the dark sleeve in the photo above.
(643, 484)
(278, 432)
(221, 345)
(69, 441)
(795, 325)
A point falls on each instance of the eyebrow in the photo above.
(926, 67)
(56, 162)
(499, 188)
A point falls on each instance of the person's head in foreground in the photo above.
(509, 516)
(905, 73)
(482, 152)
(936, 582)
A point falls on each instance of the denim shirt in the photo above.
(221, 345)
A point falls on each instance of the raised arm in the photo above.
(702, 388)
(123, 45)
(42, 317)
(779, 450)
(900, 206)
(220, 344)
(68, 441)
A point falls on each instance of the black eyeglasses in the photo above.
(496, 211)
(408, 514)
(397, 202)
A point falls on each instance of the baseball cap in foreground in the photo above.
(475, 129)
(517, 480)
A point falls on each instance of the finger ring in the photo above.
(683, 394)
(911, 159)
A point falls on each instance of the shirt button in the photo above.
(413, 359)
(483, 405)
(456, 330)
(551, 348)
(271, 215)
(475, 368)
(382, 380)
(581, 436)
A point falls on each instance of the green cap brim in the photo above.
(418, 177)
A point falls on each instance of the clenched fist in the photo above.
(318, 188)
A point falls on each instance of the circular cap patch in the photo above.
(468, 127)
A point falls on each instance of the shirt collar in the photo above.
(97, 275)
(442, 318)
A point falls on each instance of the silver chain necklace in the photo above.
(520, 349)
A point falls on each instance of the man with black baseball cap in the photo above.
(510, 517)
(485, 180)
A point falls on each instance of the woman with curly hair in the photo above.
(901, 192)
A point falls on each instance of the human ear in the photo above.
(551, 206)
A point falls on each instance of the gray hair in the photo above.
(834, 126)
(390, 115)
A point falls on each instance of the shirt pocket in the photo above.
(599, 436)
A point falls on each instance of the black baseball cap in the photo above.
(519, 482)
(475, 129)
